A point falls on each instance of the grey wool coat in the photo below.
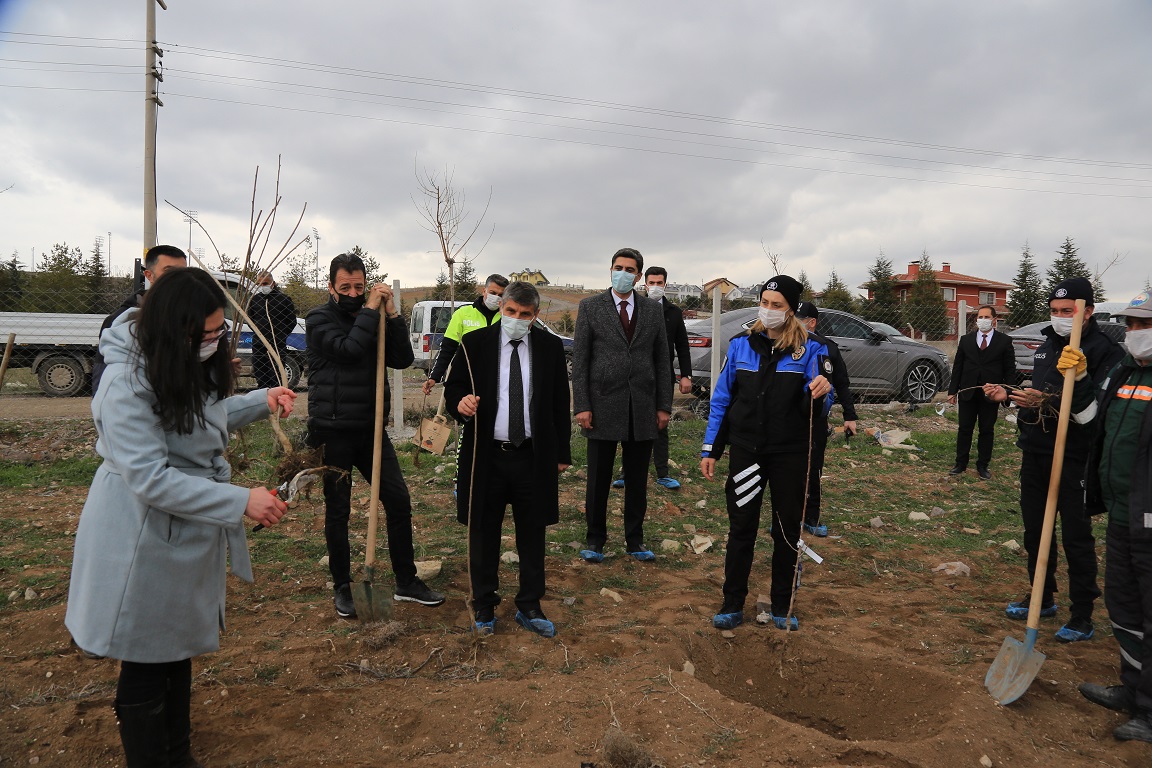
(148, 569)
(613, 378)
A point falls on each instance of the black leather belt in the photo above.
(505, 445)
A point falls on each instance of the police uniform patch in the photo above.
(827, 366)
(770, 286)
(798, 353)
(1061, 293)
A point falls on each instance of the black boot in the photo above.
(178, 706)
(143, 733)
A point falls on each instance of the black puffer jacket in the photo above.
(342, 366)
(1038, 426)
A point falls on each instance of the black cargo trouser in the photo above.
(1075, 529)
(748, 475)
(1128, 597)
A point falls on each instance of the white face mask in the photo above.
(263, 290)
(656, 292)
(1062, 325)
(1139, 344)
(771, 318)
(514, 327)
(983, 324)
(622, 282)
(492, 301)
(208, 348)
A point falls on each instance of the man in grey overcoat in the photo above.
(621, 394)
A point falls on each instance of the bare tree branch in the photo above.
(443, 210)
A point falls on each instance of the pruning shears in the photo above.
(290, 489)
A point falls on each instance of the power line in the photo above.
(651, 150)
(310, 91)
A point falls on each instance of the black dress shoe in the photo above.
(984, 473)
(956, 470)
(1137, 729)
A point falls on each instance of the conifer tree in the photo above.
(1028, 303)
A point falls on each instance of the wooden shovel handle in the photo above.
(377, 442)
(1040, 574)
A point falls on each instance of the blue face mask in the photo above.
(622, 282)
(514, 327)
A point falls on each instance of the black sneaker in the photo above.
(345, 607)
(1116, 697)
(416, 591)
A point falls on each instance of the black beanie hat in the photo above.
(786, 286)
(1073, 288)
(807, 310)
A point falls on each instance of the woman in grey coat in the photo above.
(149, 568)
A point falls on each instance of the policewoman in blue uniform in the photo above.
(762, 406)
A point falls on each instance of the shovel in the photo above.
(372, 602)
(1017, 664)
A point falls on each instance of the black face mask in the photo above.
(349, 303)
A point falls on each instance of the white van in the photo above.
(426, 328)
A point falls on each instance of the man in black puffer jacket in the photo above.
(1039, 406)
(341, 338)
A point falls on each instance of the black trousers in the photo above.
(748, 475)
(263, 368)
(353, 450)
(660, 452)
(509, 481)
(819, 446)
(141, 683)
(1128, 597)
(601, 457)
(1075, 529)
(977, 411)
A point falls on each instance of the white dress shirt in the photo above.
(500, 431)
(629, 300)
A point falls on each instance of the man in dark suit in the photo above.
(509, 387)
(622, 394)
(274, 315)
(982, 357)
(655, 279)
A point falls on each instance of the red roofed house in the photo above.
(973, 291)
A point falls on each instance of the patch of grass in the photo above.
(74, 471)
(267, 673)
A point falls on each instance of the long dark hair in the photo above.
(169, 331)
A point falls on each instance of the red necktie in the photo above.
(624, 320)
(983, 340)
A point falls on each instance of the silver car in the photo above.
(879, 366)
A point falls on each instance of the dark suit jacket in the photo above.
(474, 372)
(678, 348)
(614, 378)
(974, 366)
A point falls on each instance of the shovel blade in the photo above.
(1014, 669)
(371, 600)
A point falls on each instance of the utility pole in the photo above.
(152, 79)
(316, 279)
(109, 254)
(190, 219)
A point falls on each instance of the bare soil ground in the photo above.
(886, 671)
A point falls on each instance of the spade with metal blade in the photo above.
(372, 602)
(1018, 663)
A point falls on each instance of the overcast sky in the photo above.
(699, 133)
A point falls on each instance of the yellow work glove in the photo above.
(1072, 359)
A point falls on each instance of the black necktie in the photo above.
(515, 398)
